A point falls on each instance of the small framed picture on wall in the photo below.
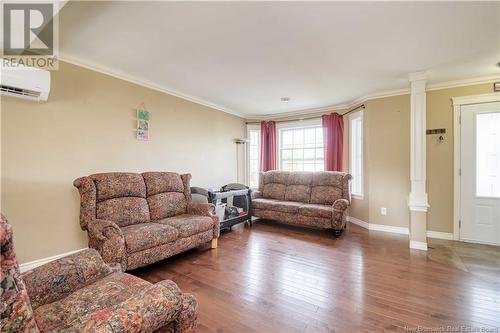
(143, 117)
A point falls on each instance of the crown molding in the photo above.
(476, 99)
(296, 113)
(144, 83)
(331, 108)
(463, 82)
(377, 95)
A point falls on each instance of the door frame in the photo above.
(458, 102)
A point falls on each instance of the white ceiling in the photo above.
(243, 57)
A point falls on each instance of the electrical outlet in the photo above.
(383, 211)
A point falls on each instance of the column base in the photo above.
(418, 230)
(418, 245)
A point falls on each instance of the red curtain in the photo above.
(267, 146)
(333, 138)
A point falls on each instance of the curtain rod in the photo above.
(306, 118)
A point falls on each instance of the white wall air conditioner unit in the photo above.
(25, 82)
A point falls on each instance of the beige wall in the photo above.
(440, 155)
(87, 126)
(387, 156)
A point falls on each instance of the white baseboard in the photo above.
(389, 228)
(397, 230)
(358, 222)
(440, 235)
(35, 263)
(418, 245)
(378, 227)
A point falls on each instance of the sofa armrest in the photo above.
(340, 205)
(54, 280)
(107, 238)
(147, 311)
(256, 194)
(87, 190)
(206, 209)
(186, 322)
(339, 213)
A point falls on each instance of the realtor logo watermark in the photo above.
(30, 35)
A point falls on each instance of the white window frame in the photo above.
(355, 116)
(293, 124)
(251, 127)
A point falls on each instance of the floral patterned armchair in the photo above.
(80, 293)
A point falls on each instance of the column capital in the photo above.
(417, 76)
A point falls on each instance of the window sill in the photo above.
(358, 196)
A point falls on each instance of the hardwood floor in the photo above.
(276, 278)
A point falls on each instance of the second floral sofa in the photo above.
(137, 219)
(315, 199)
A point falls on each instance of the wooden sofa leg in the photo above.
(213, 243)
(337, 233)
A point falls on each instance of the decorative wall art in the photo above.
(143, 123)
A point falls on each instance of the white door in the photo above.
(480, 173)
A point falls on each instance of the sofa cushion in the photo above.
(276, 205)
(294, 219)
(325, 195)
(158, 182)
(274, 191)
(104, 293)
(276, 176)
(124, 211)
(188, 225)
(300, 178)
(143, 236)
(300, 193)
(328, 178)
(167, 204)
(119, 184)
(315, 210)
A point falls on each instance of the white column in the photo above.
(418, 196)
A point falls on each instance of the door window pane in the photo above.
(488, 155)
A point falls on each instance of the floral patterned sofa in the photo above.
(137, 219)
(80, 293)
(314, 199)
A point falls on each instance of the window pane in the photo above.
(298, 154)
(298, 167)
(309, 167)
(253, 158)
(287, 137)
(488, 154)
(309, 153)
(301, 149)
(356, 154)
(319, 135)
(298, 137)
(287, 166)
(286, 154)
(310, 135)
